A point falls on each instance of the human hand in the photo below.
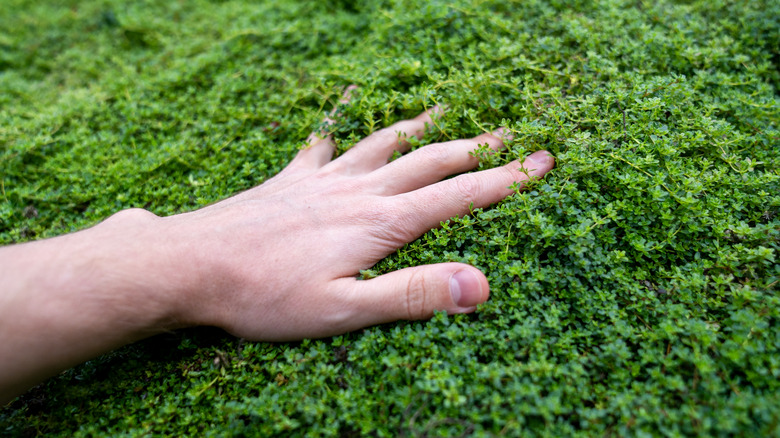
(279, 261)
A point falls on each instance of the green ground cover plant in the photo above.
(634, 290)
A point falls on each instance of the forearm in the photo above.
(68, 299)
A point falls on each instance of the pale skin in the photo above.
(277, 262)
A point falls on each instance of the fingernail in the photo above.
(539, 157)
(465, 288)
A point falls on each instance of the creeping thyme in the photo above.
(634, 289)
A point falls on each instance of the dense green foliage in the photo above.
(634, 290)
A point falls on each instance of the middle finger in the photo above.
(431, 164)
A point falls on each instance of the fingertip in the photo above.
(503, 133)
(348, 93)
(431, 114)
(437, 110)
(542, 157)
(468, 288)
(540, 162)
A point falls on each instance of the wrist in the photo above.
(135, 258)
(68, 299)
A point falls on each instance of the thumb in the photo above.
(415, 293)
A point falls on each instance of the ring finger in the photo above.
(376, 150)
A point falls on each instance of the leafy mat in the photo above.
(634, 290)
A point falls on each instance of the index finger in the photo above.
(456, 196)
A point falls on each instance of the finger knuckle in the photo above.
(372, 214)
(435, 153)
(417, 296)
(468, 188)
(390, 225)
(511, 174)
(133, 215)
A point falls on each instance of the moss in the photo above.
(635, 289)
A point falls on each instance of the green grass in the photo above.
(634, 290)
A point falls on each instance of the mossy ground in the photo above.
(634, 290)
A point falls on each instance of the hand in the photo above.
(279, 261)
